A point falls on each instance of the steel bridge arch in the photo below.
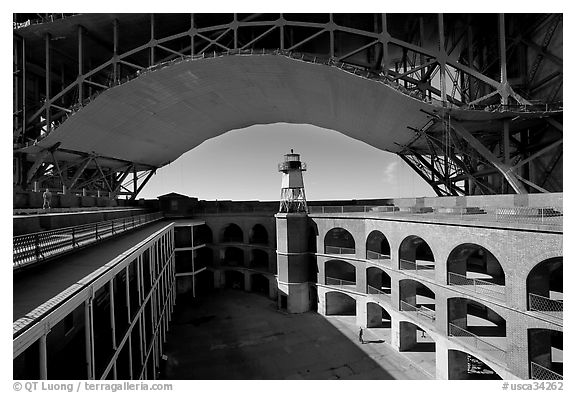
(433, 58)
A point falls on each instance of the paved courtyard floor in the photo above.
(231, 334)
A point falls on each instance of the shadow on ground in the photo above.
(231, 334)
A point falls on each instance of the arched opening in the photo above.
(418, 300)
(260, 284)
(340, 273)
(234, 279)
(478, 327)
(202, 235)
(474, 268)
(416, 255)
(204, 282)
(417, 345)
(544, 287)
(232, 234)
(182, 237)
(378, 323)
(183, 261)
(259, 260)
(203, 257)
(546, 354)
(377, 246)
(338, 303)
(233, 256)
(462, 365)
(339, 241)
(379, 284)
(258, 235)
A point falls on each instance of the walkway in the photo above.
(231, 334)
(40, 284)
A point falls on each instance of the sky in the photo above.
(242, 165)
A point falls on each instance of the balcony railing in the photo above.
(546, 305)
(471, 340)
(546, 215)
(478, 286)
(542, 373)
(422, 312)
(338, 250)
(387, 297)
(40, 246)
(376, 255)
(416, 267)
(339, 282)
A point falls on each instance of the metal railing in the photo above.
(351, 209)
(47, 19)
(546, 215)
(478, 286)
(376, 255)
(471, 340)
(422, 312)
(338, 282)
(339, 250)
(542, 373)
(387, 297)
(545, 305)
(40, 246)
(412, 265)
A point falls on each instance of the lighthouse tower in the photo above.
(292, 196)
(294, 262)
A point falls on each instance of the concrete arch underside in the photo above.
(196, 100)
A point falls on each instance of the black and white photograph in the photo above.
(286, 196)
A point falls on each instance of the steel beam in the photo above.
(48, 70)
(504, 169)
(502, 46)
(137, 190)
(80, 65)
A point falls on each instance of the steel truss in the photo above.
(500, 63)
(458, 162)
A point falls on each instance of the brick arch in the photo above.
(492, 366)
(258, 234)
(414, 237)
(437, 337)
(539, 258)
(340, 303)
(498, 253)
(378, 242)
(387, 307)
(232, 232)
(459, 257)
(339, 237)
(341, 269)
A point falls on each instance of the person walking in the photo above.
(47, 196)
(361, 336)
